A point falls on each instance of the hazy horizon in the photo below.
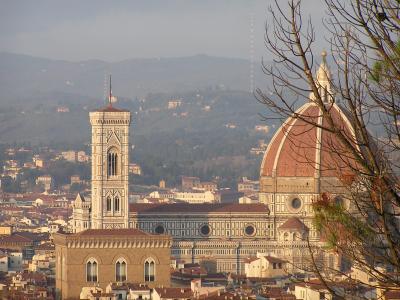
(117, 31)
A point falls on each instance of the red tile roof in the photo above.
(273, 259)
(112, 232)
(392, 295)
(250, 259)
(293, 151)
(197, 208)
(293, 223)
(110, 108)
(174, 293)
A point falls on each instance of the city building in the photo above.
(39, 161)
(76, 179)
(226, 234)
(11, 168)
(69, 155)
(195, 196)
(82, 156)
(301, 163)
(189, 182)
(262, 128)
(206, 186)
(96, 257)
(46, 181)
(162, 184)
(135, 169)
(175, 103)
(247, 185)
(62, 109)
(265, 266)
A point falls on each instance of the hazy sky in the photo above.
(117, 30)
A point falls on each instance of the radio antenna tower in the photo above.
(251, 40)
(110, 96)
(105, 88)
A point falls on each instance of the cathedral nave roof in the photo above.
(198, 208)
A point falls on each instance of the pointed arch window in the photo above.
(108, 204)
(91, 270)
(120, 270)
(112, 162)
(116, 203)
(149, 270)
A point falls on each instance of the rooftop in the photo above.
(110, 108)
(112, 232)
(174, 293)
(293, 223)
(198, 208)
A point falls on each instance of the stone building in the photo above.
(96, 257)
(110, 167)
(300, 163)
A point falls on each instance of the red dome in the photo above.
(301, 149)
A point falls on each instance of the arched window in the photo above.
(120, 270)
(286, 236)
(149, 270)
(112, 162)
(116, 203)
(108, 203)
(91, 270)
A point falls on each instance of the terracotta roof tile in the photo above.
(112, 232)
(198, 208)
(273, 259)
(174, 293)
(293, 223)
(110, 108)
(250, 259)
(294, 146)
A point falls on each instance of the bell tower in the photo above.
(110, 160)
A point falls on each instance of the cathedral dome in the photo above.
(299, 148)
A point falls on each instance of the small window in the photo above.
(296, 203)
(108, 204)
(116, 203)
(159, 229)
(149, 270)
(91, 271)
(250, 230)
(286, 236)
(120, 271)
(112, 162)
(205, 230)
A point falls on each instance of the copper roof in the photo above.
(293, 223)
(197, 208)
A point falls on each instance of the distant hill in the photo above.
(22, 75)
(33, 88)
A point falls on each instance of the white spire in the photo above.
(323, 80)
(323, 73)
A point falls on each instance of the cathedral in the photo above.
(298, 166)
